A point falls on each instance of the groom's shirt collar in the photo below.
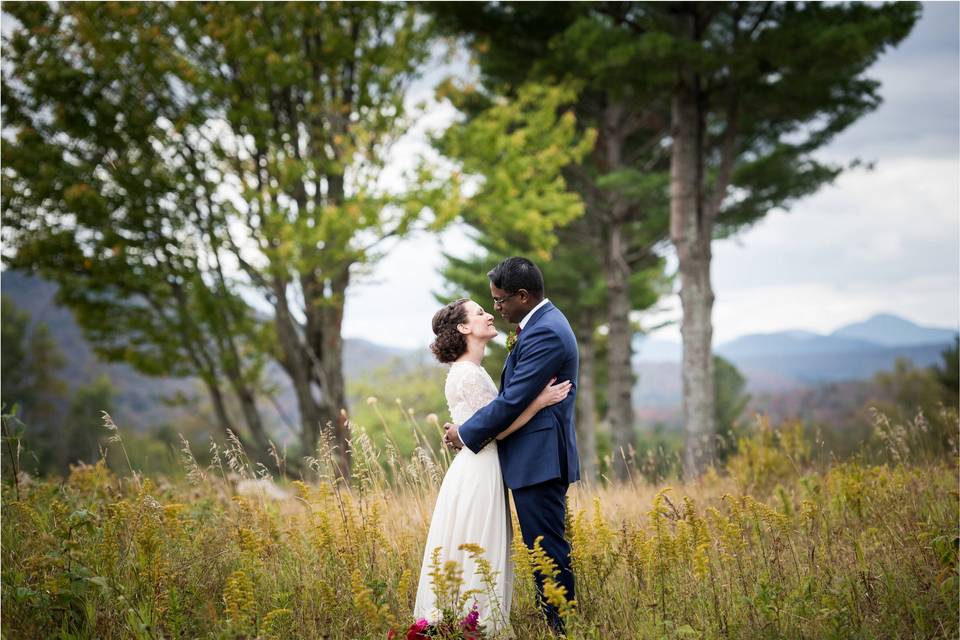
(526, 318)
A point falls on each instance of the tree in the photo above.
(521, 150)
(756, 89)
(517, 150)
(175, 161)
(914, 401)
(948, 374)
(30, 361)
(622, 181)
(83, 431)
(728, 386)
(101, 197)
(307, 100)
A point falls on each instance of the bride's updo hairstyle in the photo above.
(449, 343)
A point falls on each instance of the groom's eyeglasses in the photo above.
(498, 301)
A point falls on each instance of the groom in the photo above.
(540, 460)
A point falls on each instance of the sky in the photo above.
(885, 240)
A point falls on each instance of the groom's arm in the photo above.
(543, 355)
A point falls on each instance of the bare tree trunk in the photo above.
(587, 405)
(331, 370)
(691, 230)
(697, 297)
(248, 405)
(219, 405)
(324, 299)
(619, 338)
(296, 363)
(620, 373)
(208, 365)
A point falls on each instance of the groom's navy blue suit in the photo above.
(538, 461)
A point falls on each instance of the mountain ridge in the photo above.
(863, 336)
(776, 362)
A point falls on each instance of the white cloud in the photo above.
(897, 221)
(884, 241)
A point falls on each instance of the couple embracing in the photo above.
(520, 437)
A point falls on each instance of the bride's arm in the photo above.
(551, 395)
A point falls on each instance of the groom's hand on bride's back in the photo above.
(451, 436)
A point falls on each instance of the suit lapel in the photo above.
(508, 364)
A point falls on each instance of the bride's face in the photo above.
(478, 323)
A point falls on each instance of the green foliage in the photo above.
(105, 194)
(517, 150)
(30, 360)
(729, 403)
(170, 162)
(82, 436)
(782, 79)
(750, 92)
(31, 393)
(767, 456)
(912, 414)
(948, 374)
(658, 454)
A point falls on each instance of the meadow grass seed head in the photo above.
(195, 474)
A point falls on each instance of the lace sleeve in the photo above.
(473, 389)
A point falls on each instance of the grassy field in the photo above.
(772, 546)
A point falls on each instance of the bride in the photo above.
(472, 505)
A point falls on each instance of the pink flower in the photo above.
(470, 622)
(415, 632)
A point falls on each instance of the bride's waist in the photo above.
(489, 450)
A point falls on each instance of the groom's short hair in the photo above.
(517, 273)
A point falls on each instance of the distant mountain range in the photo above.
(140, 400)
(787, 361)
(882, 331)
(772, 363)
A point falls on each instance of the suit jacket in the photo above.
(546, 447)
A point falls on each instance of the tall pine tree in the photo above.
(622, 180)
(756, 89)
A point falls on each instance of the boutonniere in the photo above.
(511, 340)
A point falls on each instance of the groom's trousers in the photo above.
(541, 509)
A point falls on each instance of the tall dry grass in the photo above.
(771, 547)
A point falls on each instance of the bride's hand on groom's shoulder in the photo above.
(451, 436)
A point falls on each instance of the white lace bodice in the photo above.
(468, 388)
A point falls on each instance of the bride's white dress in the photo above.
(471, 507)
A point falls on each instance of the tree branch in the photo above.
(728, 148)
